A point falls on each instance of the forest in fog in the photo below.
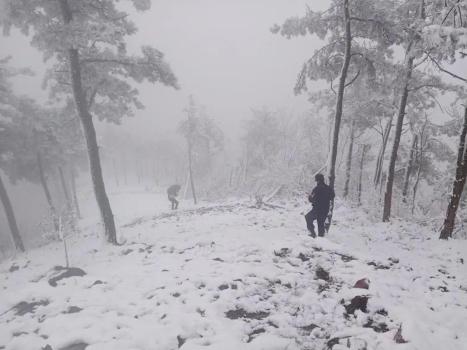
(158, 159)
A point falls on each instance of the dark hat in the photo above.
(319, 177)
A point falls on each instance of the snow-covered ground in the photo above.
(231, 276)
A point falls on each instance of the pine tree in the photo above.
(87, 40)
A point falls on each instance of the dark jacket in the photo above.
(321, 197)
(173, 190)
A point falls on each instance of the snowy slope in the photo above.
(229, 276)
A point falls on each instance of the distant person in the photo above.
(320, 198)
(172, 193)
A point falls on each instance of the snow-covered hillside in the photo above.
(231, 276)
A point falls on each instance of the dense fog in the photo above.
(218, 174)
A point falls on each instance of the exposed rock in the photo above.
(364, 283)
(322, 274)
(127, 251)
(346, 258)
(13, 268)
(24, 307)
(310, 327)
(65, 273)
(241, 313)
(357, 303)
(303, 257)
(379, 327)
(378, 266)
(181, 341)
(72, 310)
(76, 346)
(251, 336)
(282, 253)
(398, 338)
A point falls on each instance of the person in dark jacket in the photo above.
(172, 193)
(320, 198)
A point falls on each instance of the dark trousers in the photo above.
(174, 202)
(320, 218)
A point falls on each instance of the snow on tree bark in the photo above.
(360, 176)
(90, 135)
(74, 191)
(397, 136)
(458, 186)
(339, 106)
(10, 215)
(408, 170)
(382, 152)
(348, 168)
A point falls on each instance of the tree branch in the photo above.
(105, 60)
(423, 86)
(445, 70)
(332, 89)
(353, 80)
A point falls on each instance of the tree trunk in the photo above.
(399, 123)
(125, 177)
(397, 137)
(65, 189)
(74, 192)
(231, 177)
(383, 181)
(10, 215)
(408, 170)
(348, 168)
(458, 186)
(360, 177)
(382, 151)
(339, 106)
(48, 197)
(417, 179)
(246, 165)
(114, 163)
(90, 135)
(190, 169)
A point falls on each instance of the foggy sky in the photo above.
(222, 52)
